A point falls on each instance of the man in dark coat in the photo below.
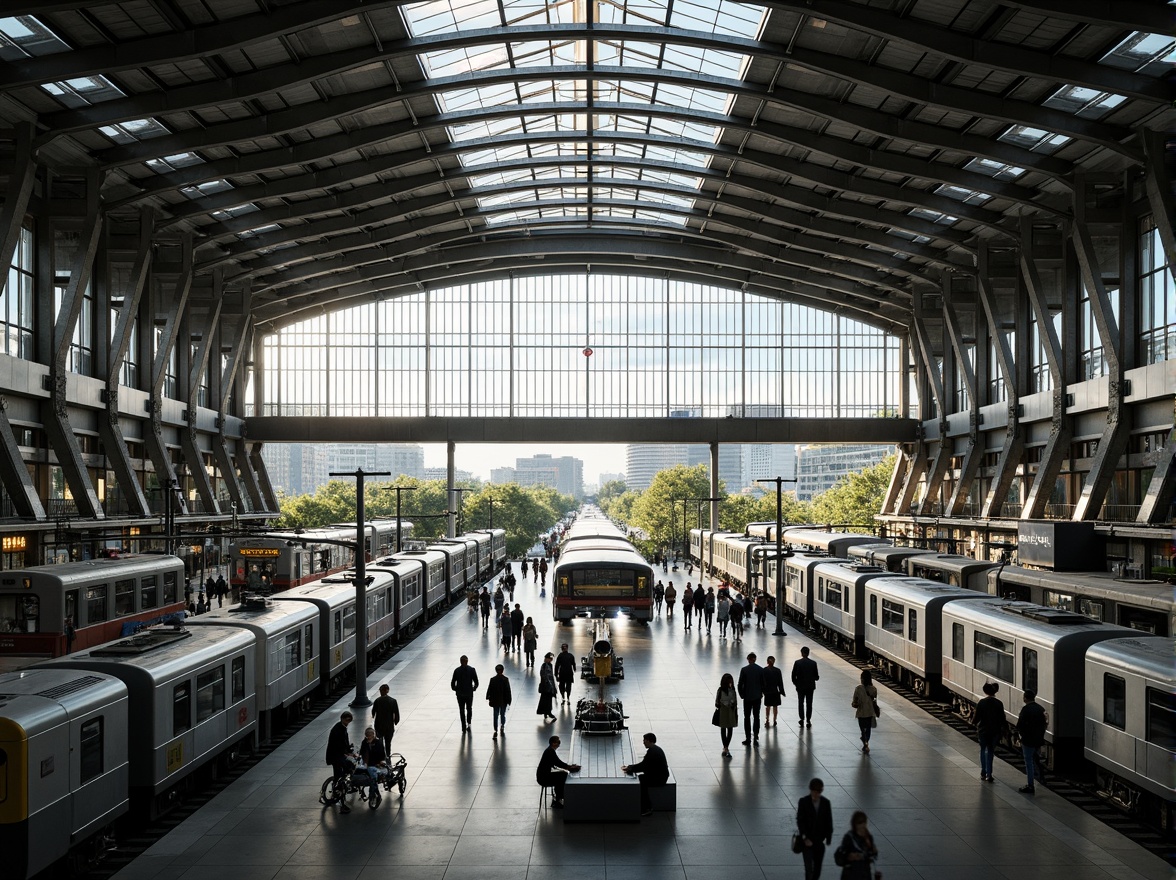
(699, 602)
(654, 770)
(222, 587)
(814, 823)
(687, 605)
(210, 588)
(804, 679)
(565, 673)
(517, 619)
(385, 717)
(498, 696)
(773, 691)
(751, 691)
(339, 751)
(463, 684)
(1031, 725)
(553, 773)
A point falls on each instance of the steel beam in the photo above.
(17, 192)
(1161, 491)
(1127, 14)
(1159, 184)
(14, 474)
(259, 473)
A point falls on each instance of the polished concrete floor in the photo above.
(472, 808)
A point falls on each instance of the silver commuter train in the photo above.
(63, 764)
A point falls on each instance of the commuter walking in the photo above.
(565, 673)
(726, 716)
(1032, 723)
(671, 598)
(990, 722)
(723, 612)
(737, 614)
(814, 824)
(804, 679)
(523, 568)
(865, 705)
(530, 640)
(516, 627)
(499, 601)
(773, 691)
(385, 717)
(546, 688)
(506, 625)
(761, 610)
(709, 608)
(463, 684)
(751, 690)
(484, 603)
(659, 593)
(688, 605)
(699, 602)
(498, 696)
(857, 850)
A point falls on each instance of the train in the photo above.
(50, 610)
(120, 728)
(1083, 642)
(600, 573)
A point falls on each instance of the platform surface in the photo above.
(471, 811)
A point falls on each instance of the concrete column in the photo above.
(450, 470)
(714, 485)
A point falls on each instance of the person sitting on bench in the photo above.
(654, 770)
(553, 773)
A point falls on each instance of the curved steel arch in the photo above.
(440, 273)
(272, 80)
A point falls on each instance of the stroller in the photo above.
(358, 782)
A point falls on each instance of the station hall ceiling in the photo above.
(836, 153)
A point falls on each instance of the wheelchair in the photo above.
(358, 782)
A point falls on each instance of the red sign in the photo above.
(242, 716)
(587, 352)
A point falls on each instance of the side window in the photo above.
(308, 638)
(892, 614)
(181, 708)
(96, 610)
(71, 606)
(873, 609)
(148, 593)
(993, 656)
(912, 625)
(293, 651)
(1161, 719)
(92, 742)
(210, 693)
(170, 591)
(238, 674)
(338, 628)
(1115, 701)
(957, 642)
(1028, 669)
(124, 597)
(348, 621)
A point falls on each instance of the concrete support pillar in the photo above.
(714, 486)
(454, 497)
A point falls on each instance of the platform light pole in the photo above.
(361, 700)
(780, 557)
(459, 508)
(714, 528)
(397, 490)
(491, 501)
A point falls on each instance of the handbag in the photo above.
(715, 718)
(874, 721)
(877, 710)
(797, 843)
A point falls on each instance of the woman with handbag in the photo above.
(865, 704)
(814, 829)
(726, 717)
(857, 852)
(547, 688)
(530, 639)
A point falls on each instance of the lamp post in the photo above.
(399, 524)
(490, 500)
(459, 508)
(714, 528)
(780, 557)
(361, 700)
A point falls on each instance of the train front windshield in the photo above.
(604, 582)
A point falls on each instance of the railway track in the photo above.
(1078, 792)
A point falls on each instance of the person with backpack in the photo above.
(857, 853)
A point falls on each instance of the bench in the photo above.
(600, 792)
(664, 798)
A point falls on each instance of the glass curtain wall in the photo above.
(575, 346)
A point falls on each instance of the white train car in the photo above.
(839, 599)
(455, 567)
(470, 578)
(904, 628)
(887, 556)
(192, 697)
(799, 586)
(64, 773)
(435, 578)
(1130, 733)
(808, 540)
(951, 568)
(287, 657)
(1023, 647)
(409, 576)
(735, 561)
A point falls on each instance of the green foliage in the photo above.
(739, 510)
(524, 511)
(857, 498)
(658, 511)
(620, 507)
(610, 490)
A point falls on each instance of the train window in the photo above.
(149, 593)
(210, 693)
(124, 597)
(1161, 719)
(892, 616)
(1115, 701)
(833, 593)
(994, 656)
(91, 741)
(912, 625)
(170, 590)
(873, 610)
(1091, 608)
(181, 708)
(308, 640)
(348, 621)
(96, 610)
(337, 627)
(238, 674)
(20, 613)
(957, 642)
(292, 651)
(1054, 599)
(71, 606)
(1028, 669)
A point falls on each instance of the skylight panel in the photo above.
(444, 16)
(545, 54)
(83, 91)
(173, 162)
(259, 230)
(628, 53)
(498, 95)
(23, 36)
(734, 19)
(454, 62)
(651, 216)
(909, 236)
(206, 189)
(539, 11)
(961, 194)
(999, 170)
(1084, 102)
(1151, 54)
(235, 211)
(638, 12)
(1036, 139)
(134, 130)
(494, 155)
(933, 216)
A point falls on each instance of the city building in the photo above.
(643, 462)
(397, 459)
(296, 468)
(502, 475)
(820, 466)
(564, 474)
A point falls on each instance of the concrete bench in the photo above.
(664, 798)
(600, 792)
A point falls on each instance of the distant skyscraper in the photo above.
(765, 460)
(501, 476)
(440, 473)
(644, 461)
(296, 468)
(608, 478)
(564, 474)
(398, 459)
(821, 466)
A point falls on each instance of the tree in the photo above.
(620, 507)
(425, 507)
(857, 498)
(524, 512)
(610, 490)
(654, 511)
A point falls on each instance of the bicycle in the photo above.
(335, 790)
